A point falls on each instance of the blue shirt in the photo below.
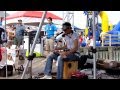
(50, 29)
(90, 33)
(20, 30)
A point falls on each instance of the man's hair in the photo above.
(66, 25)
(19, 20)
(49, 18)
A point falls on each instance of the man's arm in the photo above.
(45, 29)
(61, 48)
(55, 30)
(75, 46)
(65, 53)
(63, 45)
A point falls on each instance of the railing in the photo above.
(109, 40)
(105, 52)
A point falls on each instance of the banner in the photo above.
(9, 55)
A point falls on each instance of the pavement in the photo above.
(38, 65)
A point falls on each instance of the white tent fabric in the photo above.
(2, 14)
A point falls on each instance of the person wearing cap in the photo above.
(69, 50)
(19, 33)
(50, 30)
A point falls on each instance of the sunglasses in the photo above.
(64, 28)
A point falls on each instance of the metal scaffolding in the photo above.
(68, 16)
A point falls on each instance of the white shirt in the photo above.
(86, 39)
(12, 54)
(70, 40)
(91, 42)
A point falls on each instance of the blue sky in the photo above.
(80, 18)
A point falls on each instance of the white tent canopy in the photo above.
(2, 14)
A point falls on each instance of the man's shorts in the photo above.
(18, 40)
(50, 44)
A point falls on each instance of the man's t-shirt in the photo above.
(20, 30)
(70, 40)
(50, 29)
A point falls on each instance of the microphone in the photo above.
(63, 35)
(58, 34)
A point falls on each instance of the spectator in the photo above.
(19, 33)
(80, 39)
(1, 30)
(90, 41)
(90, 32)
(51, 30)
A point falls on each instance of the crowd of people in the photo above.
(87, 40)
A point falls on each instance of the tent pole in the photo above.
(63, 16)
(34, 43)
(6, 49)
(73, 20)
(94, 44)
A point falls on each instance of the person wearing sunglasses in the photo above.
(69, 50)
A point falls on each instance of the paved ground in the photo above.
(37, 67)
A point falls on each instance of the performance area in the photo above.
(42, 45)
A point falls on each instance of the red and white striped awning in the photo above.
(30, 17)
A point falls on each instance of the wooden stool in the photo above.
(68, 68)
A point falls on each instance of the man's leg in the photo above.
(51, 43)
(61, 62)
(82, 61)
(18, 43)
(48, 67)
(15, 41)
(20, 40)
(47, 46)
(60, 68)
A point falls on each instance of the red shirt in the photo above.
(2, 50)
(80, 39)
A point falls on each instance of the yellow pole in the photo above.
(111, 26)
(104, 18)
(86, 31)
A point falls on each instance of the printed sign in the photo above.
(9, 55)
